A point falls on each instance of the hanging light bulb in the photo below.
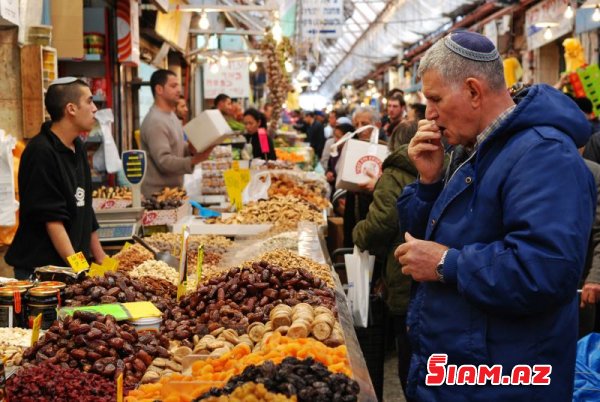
(223, 61)
(276, 30)
(596, 15)
(289, 67)
(253, 66)
(569, 12)
(204, 23)
(548, 33)
(214, 68)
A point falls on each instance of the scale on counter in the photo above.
(134, 166)
(120, 224)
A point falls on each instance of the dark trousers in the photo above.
(403, 348)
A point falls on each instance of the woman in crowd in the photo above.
(256, 135)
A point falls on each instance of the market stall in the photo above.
(256, 315)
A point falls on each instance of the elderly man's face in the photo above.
(449, 106)
(361, 120)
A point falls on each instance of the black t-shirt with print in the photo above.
(54, 185)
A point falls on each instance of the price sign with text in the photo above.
(78, 262)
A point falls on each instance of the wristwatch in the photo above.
(439, 270)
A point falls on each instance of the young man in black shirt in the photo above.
(56, 215)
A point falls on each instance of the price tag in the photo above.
(126, 246)
(78, 262)
(185, 234)
(37, 324)
(120, 388)
(181, 290)
(200, 262)
(234, 187)
(110, 264)
(96, 270)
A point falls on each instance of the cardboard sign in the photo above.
(37, 324)
(233, 80)
(96, 270)
(78, 262)
(110, 264)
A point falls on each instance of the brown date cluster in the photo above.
(97, 344)
(115, 287)
(242, 296)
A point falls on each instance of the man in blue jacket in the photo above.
(497, 241)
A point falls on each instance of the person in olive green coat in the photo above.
(379, 233)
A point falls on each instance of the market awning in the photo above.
(375, 32)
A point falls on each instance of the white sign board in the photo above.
(549, 11)
(322, 18)
(233, 80)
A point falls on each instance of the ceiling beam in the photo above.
(217, 8)
(225, 32)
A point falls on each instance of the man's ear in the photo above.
(70, 109)
(474, 88)
(159, 89)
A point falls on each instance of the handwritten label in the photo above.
(78, 262)
(120, 388)
(37, 324)
(126, 246)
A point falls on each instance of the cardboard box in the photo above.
(67, 28)
(9, 12)
(356, 159)
(207, 129)
(166, 216)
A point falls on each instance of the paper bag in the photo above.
(358, 158)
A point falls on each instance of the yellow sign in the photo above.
(37, 324)
(96, 270)
(235, 182)
(126, 246)
(181, 290)
(200, 262)
(120, 388)
(110, 264)
(78, 262)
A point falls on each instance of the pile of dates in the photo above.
(308, 380)
(116, 287)
(97, 344)
(240, 297)
(47, 382)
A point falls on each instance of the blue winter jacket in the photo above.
(517, 218)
